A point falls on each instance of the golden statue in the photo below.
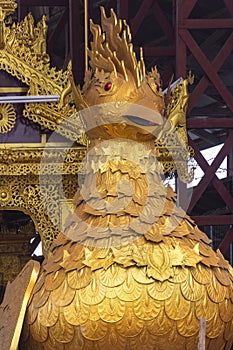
(131, 270)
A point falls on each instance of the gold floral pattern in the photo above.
(7, 117)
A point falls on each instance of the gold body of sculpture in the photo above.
(141, 277)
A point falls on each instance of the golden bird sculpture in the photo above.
(131, 270)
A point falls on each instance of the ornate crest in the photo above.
(116, 77)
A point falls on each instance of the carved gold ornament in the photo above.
(7, 118)
(23, 54)
(8, 6)
(20, 188)
(5, 194)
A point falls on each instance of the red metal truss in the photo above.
(208, 68)
(186, 43)
(210, 176)
(227, 240)
(216, 65)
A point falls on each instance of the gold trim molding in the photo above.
(22, 161)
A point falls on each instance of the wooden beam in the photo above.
(217, 63)
(163, 22)
(206, 23)
(76, 47)
(227, 240)
(213, 37)
(206, 136)
(230, 164)
(209, 123)
(207, 67)
(229, 5)
(219, 186)
(213, 220)
(214, 109)
(141, 14)
(31, 3)
(188, 6)
(181, 52)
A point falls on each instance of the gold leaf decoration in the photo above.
(76, 313)
(111, 310)
(188, 326)
(94, 330)
(160, 325)
(39, 332)
(160, 290)
(62, 332)
(191, 290)
(176, 307)
(48, 314)
(206, 308)
(146, 308)
(129, 326)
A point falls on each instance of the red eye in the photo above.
(108, 86)
(157, 87)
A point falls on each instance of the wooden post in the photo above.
(202, 333)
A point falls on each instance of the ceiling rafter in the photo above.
(206, 136)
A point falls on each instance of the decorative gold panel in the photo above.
(20, 187)
(23, 54)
